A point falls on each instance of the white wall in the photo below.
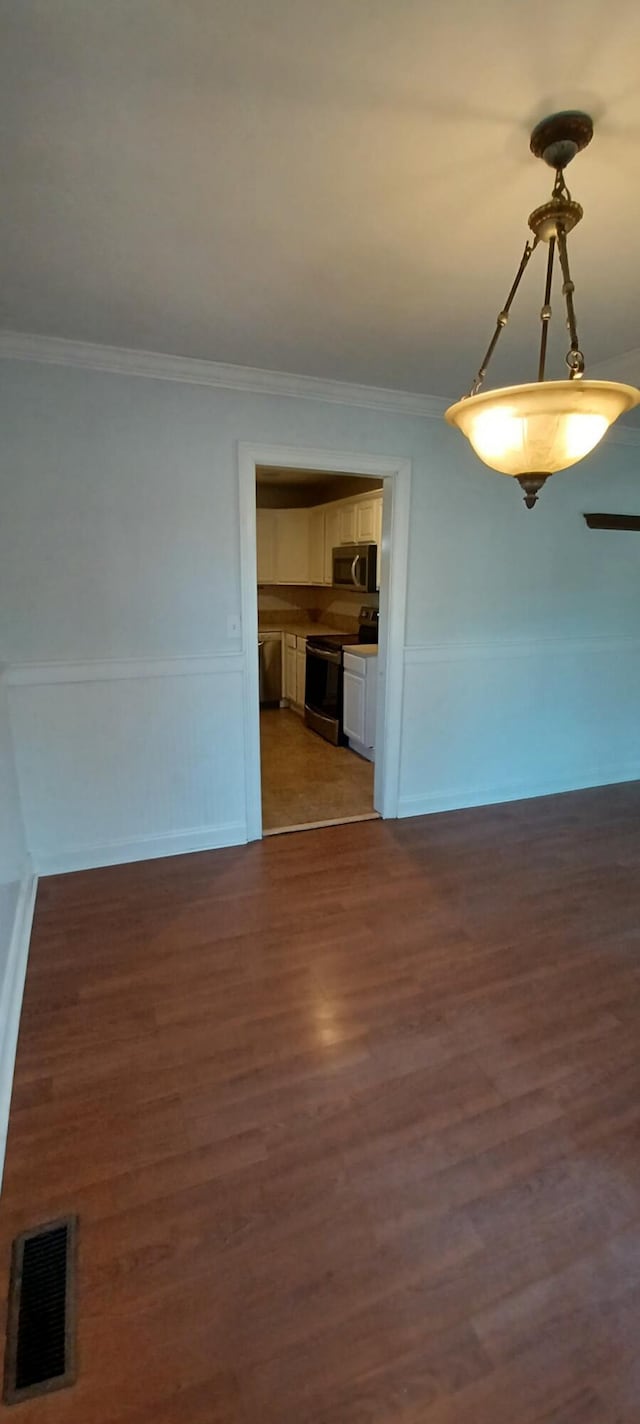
(119, 568)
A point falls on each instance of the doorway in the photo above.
(301, 769)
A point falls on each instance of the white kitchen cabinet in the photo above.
(359, 702)
(353, 706)
(366, 521)
(266, 544)
(292, 545)
(331, 540)
(301, 668)
(347, 524)
(317, 546)
(295, 546)
(295, 662)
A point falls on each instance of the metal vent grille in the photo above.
(40, 1352)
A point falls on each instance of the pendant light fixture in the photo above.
(533, 430)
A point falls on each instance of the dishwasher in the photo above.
(270, 665)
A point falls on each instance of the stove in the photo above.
(324, 676)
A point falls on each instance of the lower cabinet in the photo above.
(295, 668)
(353, 706)
(359, 702)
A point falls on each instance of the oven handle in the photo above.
(325, 657)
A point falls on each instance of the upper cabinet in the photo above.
(266, 542)
(295, 546)
(292, 545)
(366, 521)
(331, 539)
(317, 563)
(347, 523)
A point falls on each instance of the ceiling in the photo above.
(333, 189)
(290, 488)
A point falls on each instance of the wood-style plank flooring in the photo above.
(351, 1120)
(305, 779)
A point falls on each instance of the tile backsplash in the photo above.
(279, 604)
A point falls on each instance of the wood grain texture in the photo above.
(351, 1120)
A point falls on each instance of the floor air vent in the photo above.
(40, 1351)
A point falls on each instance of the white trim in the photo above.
(461, 798)
(157, 365)
(624, 367)
(11, 994)
(52, 350)
(390, 669)
(151, 847)
(397, 470)
(43, 674)
(507, 649)
(248, 457)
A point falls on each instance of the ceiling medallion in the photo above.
(532, 431)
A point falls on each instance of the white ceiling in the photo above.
(337, 189)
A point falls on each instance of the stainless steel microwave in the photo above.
(354, 566)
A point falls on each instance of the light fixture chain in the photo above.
(574, 357)
(503, 316)
(545, 314)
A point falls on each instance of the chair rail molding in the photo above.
(118, 669)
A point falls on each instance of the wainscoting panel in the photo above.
(130, 760)
(487, 722)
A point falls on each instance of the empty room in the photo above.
(319, 713)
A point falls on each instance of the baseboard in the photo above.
(11, 992)
(92, 857)
(463, 798)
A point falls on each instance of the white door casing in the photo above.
(396, 475)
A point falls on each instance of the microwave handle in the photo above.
(354, 567)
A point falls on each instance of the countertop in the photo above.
(363, 650)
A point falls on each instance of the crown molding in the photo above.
(625, 367)
(120, 361)
(53, 350)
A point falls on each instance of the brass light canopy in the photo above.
(532, 431)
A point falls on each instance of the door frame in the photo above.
(396, 474)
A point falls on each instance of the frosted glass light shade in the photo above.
(541, 427)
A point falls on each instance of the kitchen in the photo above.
(318, 562)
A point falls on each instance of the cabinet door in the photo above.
(366, 522)
(353, 706)
(266, 545)
(290, 675)
(347, 524)
(316, 546)
(301, 668)
(331, 541)
(292, 545)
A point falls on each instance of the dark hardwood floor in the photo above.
(351, 1120)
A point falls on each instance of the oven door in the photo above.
(323, 692)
